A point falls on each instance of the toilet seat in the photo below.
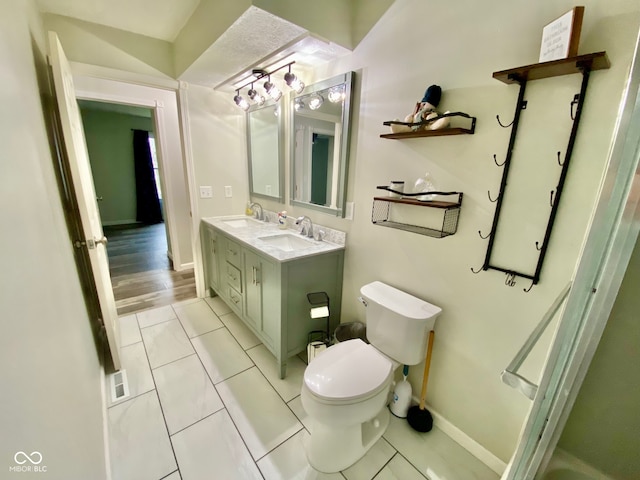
(347, 372)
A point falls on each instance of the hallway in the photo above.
(141, 272)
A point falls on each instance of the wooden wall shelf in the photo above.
(428, 133)
(555, 68)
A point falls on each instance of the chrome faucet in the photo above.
(305, 231)
(259, 216)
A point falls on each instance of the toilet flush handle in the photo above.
(362, 301)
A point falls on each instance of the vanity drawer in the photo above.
(233, 253)
(235, 299)
(234, 277)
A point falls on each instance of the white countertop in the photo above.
(251, 235)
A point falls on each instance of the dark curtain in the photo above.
(148, 204)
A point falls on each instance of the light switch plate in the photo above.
(348, 211)
(206, 191)
(228, 191)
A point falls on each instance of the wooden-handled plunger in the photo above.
(418, 416)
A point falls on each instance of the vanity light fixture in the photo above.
(270, 88)
(241, 102)
(256, 97)
(315, 101)
(298, 104)
(273, 91)
(293, 82)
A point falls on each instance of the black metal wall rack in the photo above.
(583, 64)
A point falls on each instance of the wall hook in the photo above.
(523, 106)
(495, 159)
(510, 281)
(483, 237)
(559, 162)
(551, 197)
(503, 125)
(538, 247)
(491, 199)
(473, 271)
(527, 290)
(574, 102)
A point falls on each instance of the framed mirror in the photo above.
(319, 141)
(265, 151)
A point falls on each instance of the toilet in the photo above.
(346, 387)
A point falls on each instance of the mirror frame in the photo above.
(281, 177)
(348, 80)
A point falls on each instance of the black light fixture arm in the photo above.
(260, 74)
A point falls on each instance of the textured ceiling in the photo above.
(162, 19)
(258, 39)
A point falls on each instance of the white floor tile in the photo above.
(197, 318)
(288, 387)
(435, 454)
(399, 469)
(155, 316)
(129, 330)
(166, 342)
(174, 476)
(262, 418)
(289, 462)
(240, 331)
(368, 466)
(212, 448)
(220, 354)
(298, 410)
(218, 305)
(138, 440)
(134, 360)
(186, 393)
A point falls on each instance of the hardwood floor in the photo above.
(141, 272)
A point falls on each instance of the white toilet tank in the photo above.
(398, 323)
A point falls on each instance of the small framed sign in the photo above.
(560, 38)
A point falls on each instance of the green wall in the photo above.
(603, 427)
(110, 144)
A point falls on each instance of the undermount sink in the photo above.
(241, 222)
(286, 242)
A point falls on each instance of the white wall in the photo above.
(458, 47)
(219, 150)
(51, 398)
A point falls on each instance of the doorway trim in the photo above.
(100, 84)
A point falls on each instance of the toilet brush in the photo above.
(419, 417)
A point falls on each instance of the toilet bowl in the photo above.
(344, 392)
(346, 387)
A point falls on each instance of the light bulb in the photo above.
(315, 101)
(336, 94)
(241, 102)
(273, 91)
(256, 97)
(294, 82)
(298, 105)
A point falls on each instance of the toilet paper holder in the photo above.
(318, 340)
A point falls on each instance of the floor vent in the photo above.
(119, 385)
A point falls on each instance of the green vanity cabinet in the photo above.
(269, 295)
(211, 257)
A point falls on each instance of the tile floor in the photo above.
(206, 403)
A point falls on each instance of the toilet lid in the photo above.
(347, 370)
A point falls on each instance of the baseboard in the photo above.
(184, 266)
(105, 422)
(112, 223)
(468, 443)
